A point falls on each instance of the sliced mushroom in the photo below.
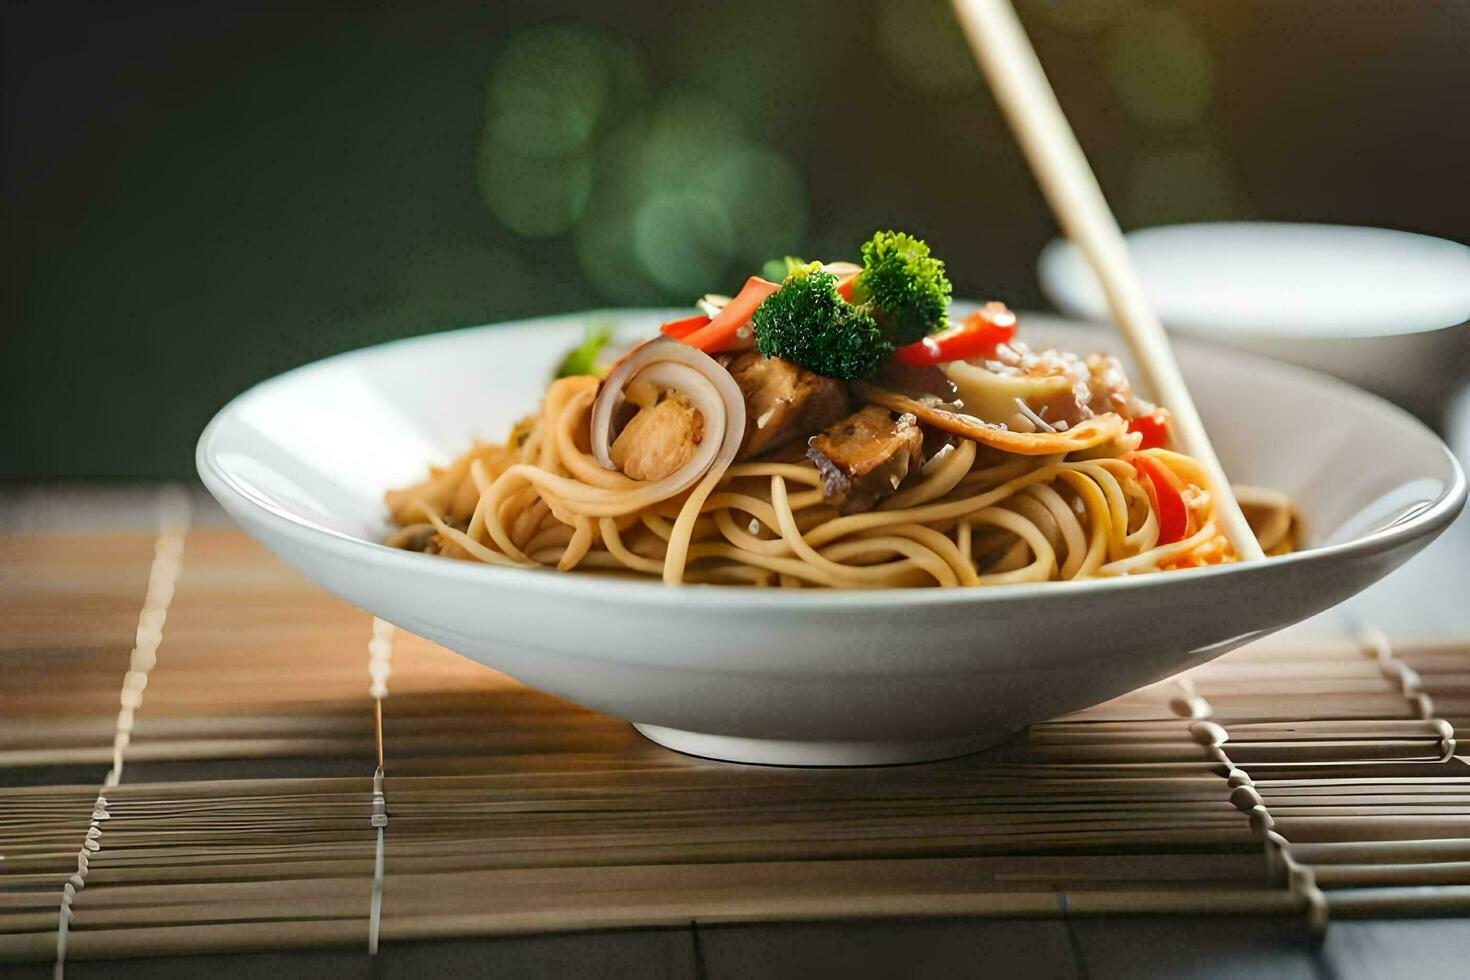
(783, 401)
(864, 457)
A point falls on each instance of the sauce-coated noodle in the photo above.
(972, 516)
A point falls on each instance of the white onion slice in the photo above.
(991, 395)
(667, 363)
(710, 304)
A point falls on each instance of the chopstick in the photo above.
(1005, 55)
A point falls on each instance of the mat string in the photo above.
(1244, 796)
(380, 657)
(1376, 644)
(174, 513)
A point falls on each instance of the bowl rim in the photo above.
(1059, 264)
(222, 485)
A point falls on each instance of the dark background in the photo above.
(199, 195)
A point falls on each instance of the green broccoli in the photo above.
(905, 285)
(806, 322)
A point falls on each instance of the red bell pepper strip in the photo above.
(1154, 428)
(720, 333)
(844, 288)
(975, 336)
(1165, 493)
(679, 329)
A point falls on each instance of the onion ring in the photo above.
(667, 363)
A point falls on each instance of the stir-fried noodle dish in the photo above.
(834, 429)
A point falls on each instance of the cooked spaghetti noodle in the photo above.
(972, 515)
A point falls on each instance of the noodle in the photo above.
(973, 515)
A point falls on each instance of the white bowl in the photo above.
(1382, 309)
(808, 677)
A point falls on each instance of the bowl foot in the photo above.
(783, 752)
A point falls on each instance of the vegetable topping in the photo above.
(583, 359)
(1154, 428)
(1166, 493)
(840, 320)
(976, 336)
(724, 330)
(808, 323)
(905, 284)
(679, 329)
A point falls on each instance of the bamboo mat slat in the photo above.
(1296, 778)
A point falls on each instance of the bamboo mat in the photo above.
(188, 743)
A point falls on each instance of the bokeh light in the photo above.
(551, 86)
(551, 91)
(1159, 67)
(683, 240)
(661, 201)
(537, 197)
(766, 202)
(603, 242)
(688, 133)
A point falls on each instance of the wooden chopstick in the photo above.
(1006, 57)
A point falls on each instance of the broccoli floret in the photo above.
(777, 269)
(806, 322)
(906, 286)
